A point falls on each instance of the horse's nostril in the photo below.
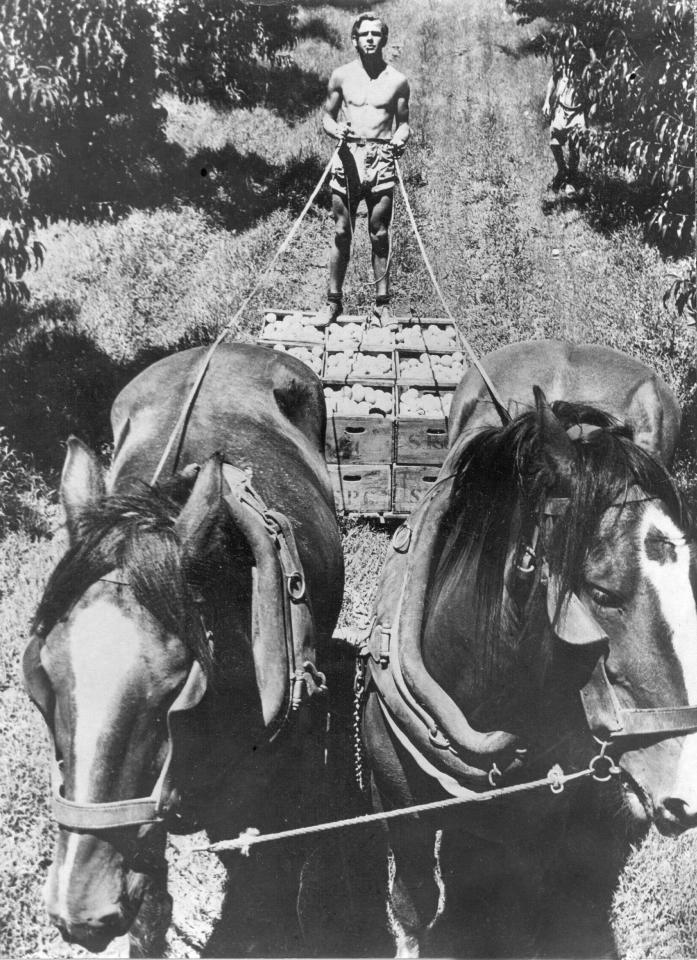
(678, 813)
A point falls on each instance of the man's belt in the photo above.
(363, 141)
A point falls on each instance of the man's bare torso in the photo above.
(370, 105)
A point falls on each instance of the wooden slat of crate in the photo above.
(359, 440)
(411, 483)
(362, 488)
(421, 440)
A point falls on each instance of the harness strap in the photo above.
(605, 715)
(76, 815)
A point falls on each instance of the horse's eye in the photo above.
(604, 598)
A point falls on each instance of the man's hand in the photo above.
(343, 130)
(546, 111)
(397, 146)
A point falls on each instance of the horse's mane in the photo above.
(499, 470)
(135, 533)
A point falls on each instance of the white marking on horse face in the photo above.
(104, 650)
(670, 576)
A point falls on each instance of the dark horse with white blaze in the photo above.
(178, 637)
(536, 618)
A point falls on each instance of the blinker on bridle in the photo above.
(574, 624)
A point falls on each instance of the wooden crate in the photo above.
(411, 483)
(362, 488)
(353, 374)
(426, 379)
(359, 439)
(421, 440)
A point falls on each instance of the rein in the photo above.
(272, 540)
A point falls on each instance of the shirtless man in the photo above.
(373, 97)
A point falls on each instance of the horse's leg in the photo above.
(414, 892)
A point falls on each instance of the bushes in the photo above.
(633, 62)
(24, 494)
(80, 128)
(209, 44)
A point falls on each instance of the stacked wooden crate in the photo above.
(388, 397)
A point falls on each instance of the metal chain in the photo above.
(358, 699)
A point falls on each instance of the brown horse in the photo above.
(536, 615)
(586, 373)
(178, 637)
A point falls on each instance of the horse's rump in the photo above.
(583, 373)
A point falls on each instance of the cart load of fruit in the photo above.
(312, 356)
(344, 336)
(291, 327)
(445, 369)
(375, 338)
(340, 366)
(358, 401)
(414, 403)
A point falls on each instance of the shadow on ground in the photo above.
(54, 381)
(611, 204)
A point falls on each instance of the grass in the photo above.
(514, 260)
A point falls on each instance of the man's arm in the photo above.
(402, 133)
(547, 105)
(332, 105)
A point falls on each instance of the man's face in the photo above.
(369, 37)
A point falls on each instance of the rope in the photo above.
(555, 779)
(186, 409)
(500, 408)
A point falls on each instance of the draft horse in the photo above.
(179, 636)
(536, 616)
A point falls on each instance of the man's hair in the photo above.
(369, 16)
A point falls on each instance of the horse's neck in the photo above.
(490, 682)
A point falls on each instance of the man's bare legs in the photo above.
(379, 222)
(344, 224)
(339, 255)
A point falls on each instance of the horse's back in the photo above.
(251, 399)
(584, 373)
(264, 412)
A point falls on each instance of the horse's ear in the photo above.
(82, 483)
(196, 519)
(556, 449)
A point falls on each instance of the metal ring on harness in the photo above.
(401, 538)
(611, 767)
(295, 585)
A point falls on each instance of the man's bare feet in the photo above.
(382, 317)
(330, 311)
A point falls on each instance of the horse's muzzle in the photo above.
(674, 816)
(94, 933)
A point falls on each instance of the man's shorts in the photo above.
(363, 169)
(563, 125)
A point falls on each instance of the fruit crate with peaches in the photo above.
(388, 395)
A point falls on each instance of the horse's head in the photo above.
(621, 596)
(117, 647)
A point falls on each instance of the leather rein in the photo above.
(272, 540)
(432, 728)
